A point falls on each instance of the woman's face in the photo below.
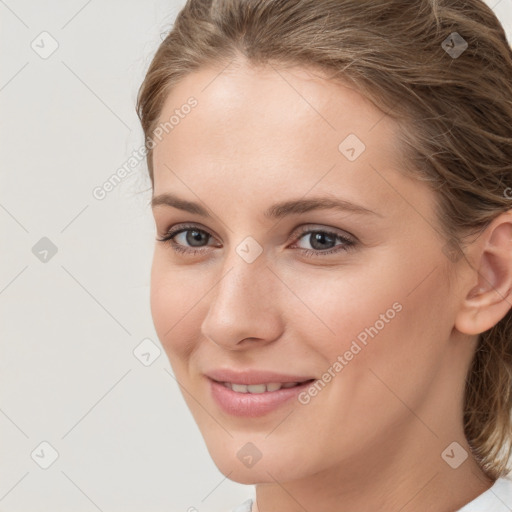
(285, 286)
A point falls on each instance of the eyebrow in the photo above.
(276, 211)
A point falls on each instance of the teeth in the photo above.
(239, 388)
(259, 388)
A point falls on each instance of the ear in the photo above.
(489, 300)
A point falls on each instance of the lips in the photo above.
(254, 393)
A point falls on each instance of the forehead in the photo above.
(268, 96)
(259, 127)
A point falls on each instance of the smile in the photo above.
(260, 388)
(253, 400)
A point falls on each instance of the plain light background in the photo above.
(74, 273)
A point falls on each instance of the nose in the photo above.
(244, 306)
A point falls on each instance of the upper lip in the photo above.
(249, 377)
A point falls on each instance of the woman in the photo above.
(333, 268)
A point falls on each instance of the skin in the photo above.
(372, 439)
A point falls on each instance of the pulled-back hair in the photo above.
(452, 104)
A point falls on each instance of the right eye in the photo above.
(179, 237)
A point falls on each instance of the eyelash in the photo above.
(347, 242)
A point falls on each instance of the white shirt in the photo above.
(497, 498)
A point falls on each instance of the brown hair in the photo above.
(453, 104)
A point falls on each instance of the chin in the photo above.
(234, 461)
(229, 460)
(249, 477)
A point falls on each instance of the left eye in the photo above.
(318, 239)
(194, 239)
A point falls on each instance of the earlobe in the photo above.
(488, 297)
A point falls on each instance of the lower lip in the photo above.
(252, 404)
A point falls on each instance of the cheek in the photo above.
(347, 303)
(392, 316)
(175, 304)
(402, 328)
